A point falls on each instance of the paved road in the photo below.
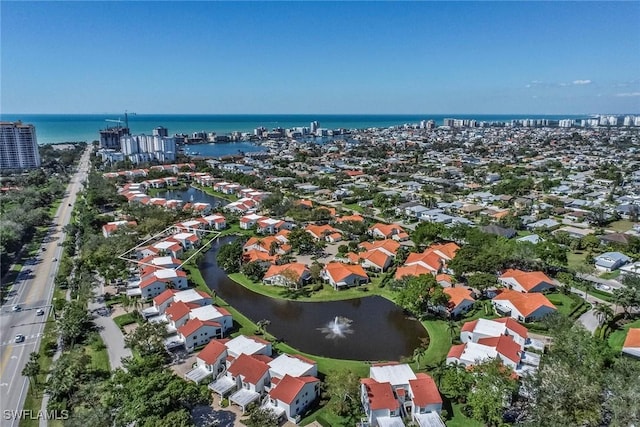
(33, 289)
(111, 335)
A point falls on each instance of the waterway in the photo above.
(380, 329)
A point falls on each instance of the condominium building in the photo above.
(18, 146)
(144, 148)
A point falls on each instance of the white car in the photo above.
(19, 338)
(16, 308)
(40, 312)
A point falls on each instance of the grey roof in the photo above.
(500, 231)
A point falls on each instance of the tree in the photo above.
(230, 256)
(567, 389)
(32, 369)
(253, 270)
(261, 417)
(316, 271)
(74, 323)
(427, 232)
(628, 296)
(262, 325)
(343, 389)
(493, 386)
(418, 294)
(603, 312)
(148, 338)
(481, 281)
(302, 241)
(455, 382)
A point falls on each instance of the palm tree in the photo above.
(452, 328)
(262, 325)
(417, 353)
(32, 369)
(603, 312)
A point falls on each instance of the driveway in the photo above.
(109, 331)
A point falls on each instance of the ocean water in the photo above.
(53, 128)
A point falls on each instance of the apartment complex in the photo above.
(18, 146)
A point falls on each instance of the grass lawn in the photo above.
(98, 352)
(461, 420)
(439, 342)
(621, 226)
(125, 319)
(354, 206)
(610, 275)
(564, 303)
(575, 259)
(327, 293)
(616, 339)
(210, 190)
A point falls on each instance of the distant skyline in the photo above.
(203, 57)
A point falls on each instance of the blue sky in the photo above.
(320, 57)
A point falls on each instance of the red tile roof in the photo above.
(380, 395)
(525, 303)
(290, 387)
(424, 389)
(249, 367)
(527, 279)
(633, 338)
(194, 324)
(212, 352)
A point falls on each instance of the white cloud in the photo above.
(581, 82)
(628, 94)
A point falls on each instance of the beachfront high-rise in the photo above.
(18, 146)
(145, 148)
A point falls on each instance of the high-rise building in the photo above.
(313, 127)
(110, 138)
(18, 146)
(161, 131)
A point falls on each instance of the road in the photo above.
(33, 289)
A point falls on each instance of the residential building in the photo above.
(526, 281)
(18, 146)
(523, 307)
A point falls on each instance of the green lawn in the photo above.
(616, 339)
(564, 303)
(354, 206)
(327, 293)
(209, 190)
(461, 420)
(621, 226)
(98, 352)
(575, 259)
(610, 275)
(439, 342)
(125, 319)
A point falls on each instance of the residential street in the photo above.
(589, 319)
(33, 290)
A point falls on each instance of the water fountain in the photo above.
(337, 328)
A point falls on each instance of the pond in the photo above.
(370, 328)
(193, 194)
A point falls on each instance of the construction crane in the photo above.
(126, 118)
(119, 121)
